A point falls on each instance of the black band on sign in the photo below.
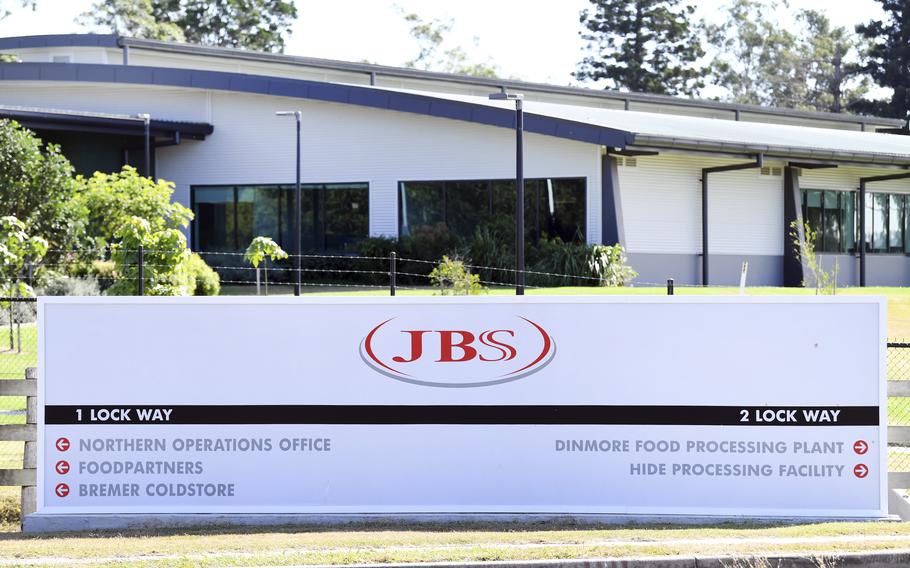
(475, 414)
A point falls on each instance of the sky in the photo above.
(532, 40)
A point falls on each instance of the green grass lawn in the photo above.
(387, 543)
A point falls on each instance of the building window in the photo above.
(334, 217)
(832, 214)
(554, 207)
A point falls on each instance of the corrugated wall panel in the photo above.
(661, 201)
(847, 179)
(342, 143)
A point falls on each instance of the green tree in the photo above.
(111, 200)
(835, 80)
(263, 248)
(166, 262)
(37, 187)
(133, 18)
(17, 250)
(432, 56)
(758, 61)
(887, 60)
(645, 46)
(261, 25)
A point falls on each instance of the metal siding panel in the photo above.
(60, 72)
(340, 144)
(661, 199)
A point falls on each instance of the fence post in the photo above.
(141, 270)
(669, 286)
(28, 499)
(392, 271)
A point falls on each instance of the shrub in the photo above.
(165, 263)
(567, 260)
(430, 242)
(452, 278)
(207, 281)
(62, 285)
(608, 263)
(376, 246)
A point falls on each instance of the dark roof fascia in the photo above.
(106, 124)
(61, 40)
(108, 40)
(314, 90)
(496, 83)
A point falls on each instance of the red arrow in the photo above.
(62, 467)
(62, 490)
(860, 470)
(860, 447)
(63, 444)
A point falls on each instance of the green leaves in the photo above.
(645, 46)
(252, 24)
(261, 248)
(165, 261)
(111, 200)
(451, 277)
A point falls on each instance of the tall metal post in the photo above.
(862, 232)
(519, 200)
(392, 274)
(298, 204)
(147, 164)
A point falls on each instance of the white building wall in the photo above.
(340, 143)
(847, 179)
(661, 205)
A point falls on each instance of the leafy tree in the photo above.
(166, 266)
(834, 78)
(111, 200)
(37, 187)
(758, 60)
(133, 18)
(431, 56)
(262, 248)
(641, 45)
(252, 24)
(887, 60)
(17, 249)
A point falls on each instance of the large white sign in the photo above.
(667, 405)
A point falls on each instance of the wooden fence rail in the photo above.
(26, 476)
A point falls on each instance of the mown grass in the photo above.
(386, 543)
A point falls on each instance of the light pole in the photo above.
(297, 202)
(519, 187)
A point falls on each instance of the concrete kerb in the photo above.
(50, 522)
(886, 559)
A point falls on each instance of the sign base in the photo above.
(49, 522)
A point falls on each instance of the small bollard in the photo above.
(669, 286)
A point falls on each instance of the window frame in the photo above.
(318, 213)
(490, 183)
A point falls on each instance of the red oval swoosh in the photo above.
(547, 344)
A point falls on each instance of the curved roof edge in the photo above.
(372, 97)
(110, 40)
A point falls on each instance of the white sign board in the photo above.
(691, 405)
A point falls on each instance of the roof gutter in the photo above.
(654, 141)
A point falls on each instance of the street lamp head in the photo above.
(288, 113)
(504, 96)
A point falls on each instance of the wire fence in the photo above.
(66, 273)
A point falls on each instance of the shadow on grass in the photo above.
(391, 526)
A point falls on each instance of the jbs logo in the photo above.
(462, 356)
